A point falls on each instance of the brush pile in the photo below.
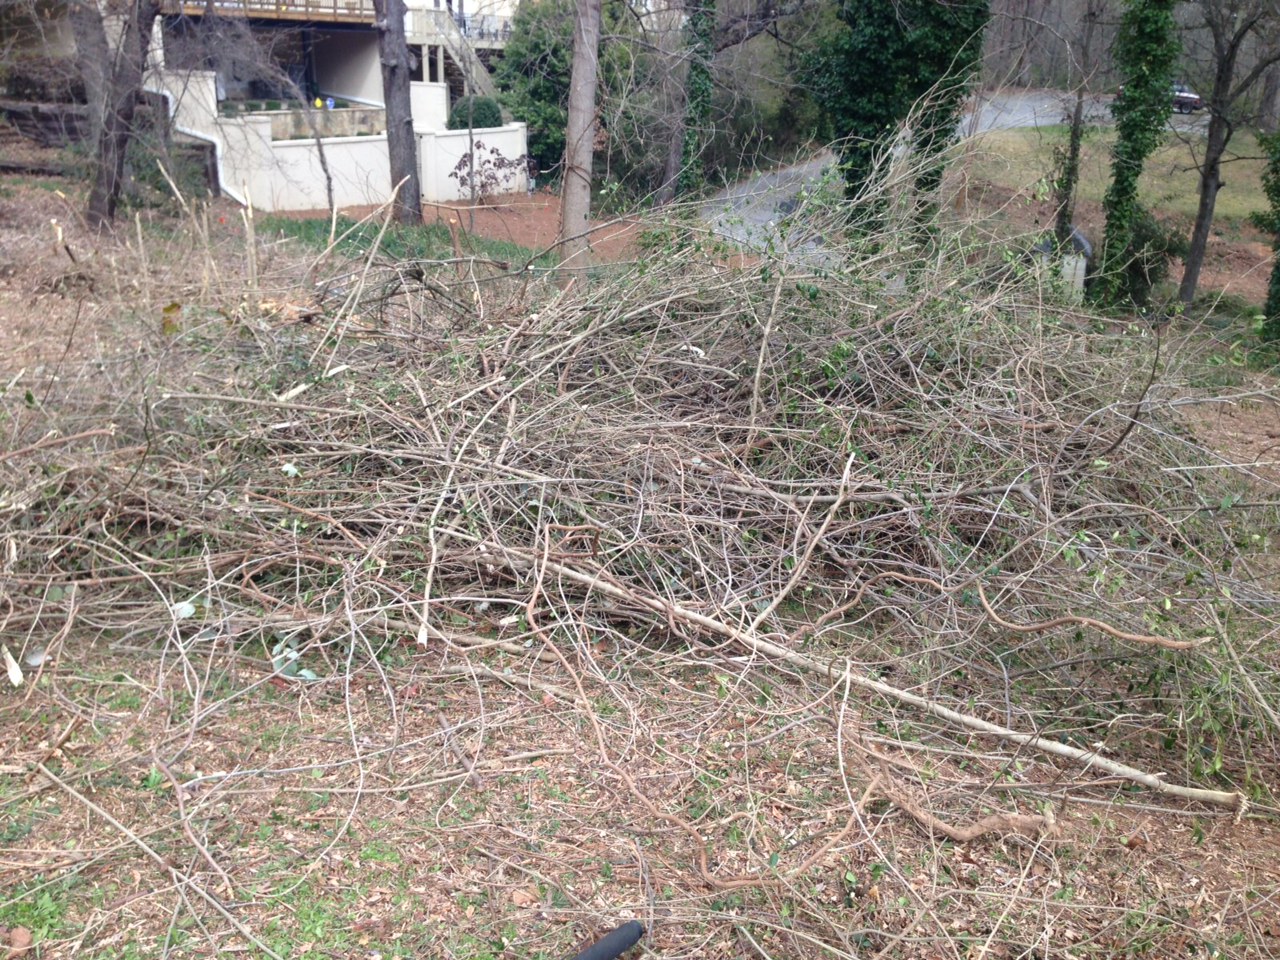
(951, 481)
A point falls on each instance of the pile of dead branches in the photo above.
(933, 481)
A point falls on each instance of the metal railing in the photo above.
(484, 27)
(348, 11)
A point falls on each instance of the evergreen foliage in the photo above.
(1145, 53)
(476, 113)
(872, 74)
(533, 75)
(1151, 248)
(1270, 221)
(533, 83)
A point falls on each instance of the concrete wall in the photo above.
(286, 174)
(347, 65)
(347, 122)
(274, 174)
(440, 151)
(430, 105)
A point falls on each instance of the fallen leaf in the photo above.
(19, 942)
(524, 896)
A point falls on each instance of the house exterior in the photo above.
(298, 80)
(268, 155)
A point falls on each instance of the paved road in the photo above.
(1043, 108)
(748, 212)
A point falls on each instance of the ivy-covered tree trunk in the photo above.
(402, 142)
(1145, 52)
(896, 57)
(697, 112)
(1270, 221)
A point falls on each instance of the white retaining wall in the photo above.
(286, 174)
(439, 152)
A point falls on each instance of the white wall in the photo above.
(439, 152)
(286, 174)
(192, 97)
(295, 181)
(347, 65)
(430, 106)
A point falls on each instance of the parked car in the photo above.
(1185, 100)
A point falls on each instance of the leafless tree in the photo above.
(1083, 64)
(1241, 45)
(575, 197)
(402, 144)
(1269, 105)
(121, 80)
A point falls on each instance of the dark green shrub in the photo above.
(1152, 246)
(1269, 220)
(476, 112)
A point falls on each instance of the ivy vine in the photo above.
(697, 115)
(1145, 52)
(1270, 221)
(883, 63)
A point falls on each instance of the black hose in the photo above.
(614, 944)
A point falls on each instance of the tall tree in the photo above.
(1145, 51)
(697, 114)
(896, 57)
(1237, 28)
(1270, 221)
(575, 193)
(1082, 69)
(1269, 107)
(121, 91)
(402, 144)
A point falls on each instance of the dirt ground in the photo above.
(170, 797)
(534, 222)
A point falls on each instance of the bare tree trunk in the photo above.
(1269, 111)
(1210, 183)
(1233, 26)
(93, 55)
(1070, 175)
(124, 87)
(575, 195)
(402, 146)
(671, 166)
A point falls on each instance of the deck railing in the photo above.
(327, 11)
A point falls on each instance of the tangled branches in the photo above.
(941, 479)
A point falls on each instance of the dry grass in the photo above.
(1023, 161)
(665, 595)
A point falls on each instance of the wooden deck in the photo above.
(316, 11)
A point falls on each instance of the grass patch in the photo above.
(428, 242)
(1023, 160)
(38, 906)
